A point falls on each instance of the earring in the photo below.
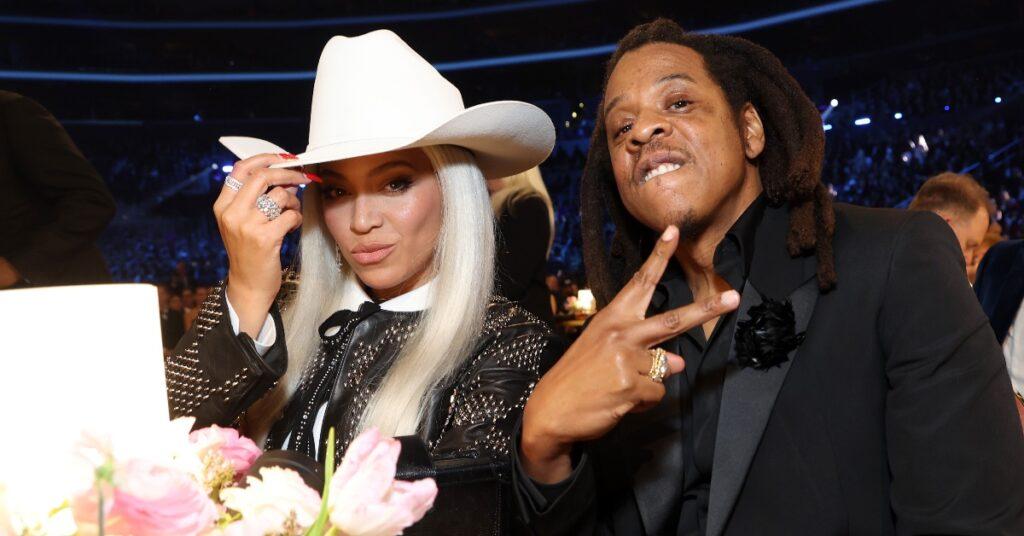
(337, 256)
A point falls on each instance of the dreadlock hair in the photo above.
(790, 164)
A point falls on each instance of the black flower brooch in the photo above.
(767, 337)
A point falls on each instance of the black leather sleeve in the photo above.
(470, 460)
(487, 401)
(213, 374)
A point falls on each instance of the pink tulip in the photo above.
(157, 500)
(366, 500)
(238, 450)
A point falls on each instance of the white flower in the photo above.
(278, 502)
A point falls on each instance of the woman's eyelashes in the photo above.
(398, 186)
(390, 187)
(332, 192)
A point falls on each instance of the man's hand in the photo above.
(604, 375)
(9, 275)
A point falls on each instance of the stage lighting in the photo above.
(862, 121)
(999, 100)
(197, 118)
(897, 116)
(227, 168)
(827, 127)
(214, 166)
(833, 103)
(946, 107)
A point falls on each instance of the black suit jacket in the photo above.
(1000, 284)
(53, 203)
(895, 415)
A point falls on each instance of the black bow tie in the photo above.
(344, 317)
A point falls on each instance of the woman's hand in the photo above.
(604, 375)
(253, 241)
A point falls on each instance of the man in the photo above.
(993, 236)
(963, 203)
(1000, 289)
(856, 389)
(53, 203)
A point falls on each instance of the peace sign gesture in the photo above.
(607, 372)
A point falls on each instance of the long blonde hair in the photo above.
(529, 182)
(448, 329)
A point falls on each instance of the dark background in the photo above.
(155, 143)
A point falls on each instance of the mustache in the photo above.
(658, 146)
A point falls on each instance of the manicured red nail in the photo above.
(314, 178)
(288, 156)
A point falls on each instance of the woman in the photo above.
(526, 229)
(390, 320)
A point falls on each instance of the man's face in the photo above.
(969, 230)
(679, 153)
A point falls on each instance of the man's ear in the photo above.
(752, 130)
(945, 216)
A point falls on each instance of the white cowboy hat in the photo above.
(374, 94)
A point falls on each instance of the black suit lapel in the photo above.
(748, 395)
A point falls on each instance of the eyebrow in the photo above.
(375, 171)
(390, 165)
(667, 78)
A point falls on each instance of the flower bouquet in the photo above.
(195, 483)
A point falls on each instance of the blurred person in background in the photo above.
(180, 279)
(525, 231)
(1000, 289)
(992, 237)
(172, 321)
(963, 203)
(53, 203)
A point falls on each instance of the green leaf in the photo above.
(320, 527)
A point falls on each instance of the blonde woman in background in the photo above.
(526, 231)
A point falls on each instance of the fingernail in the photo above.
(670, 233)
(314, 178)
(288, 156)
(730, 298)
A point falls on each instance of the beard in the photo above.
(690, 226)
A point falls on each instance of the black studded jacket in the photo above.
(215, 375)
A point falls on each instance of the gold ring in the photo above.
(659, 365)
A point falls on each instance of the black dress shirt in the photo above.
(706, 359)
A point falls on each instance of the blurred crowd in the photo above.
(165, 189)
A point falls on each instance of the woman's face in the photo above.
(384, 211)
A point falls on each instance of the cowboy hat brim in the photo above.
(505, 137)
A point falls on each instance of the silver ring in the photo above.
(268, 207)
(232, 183)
